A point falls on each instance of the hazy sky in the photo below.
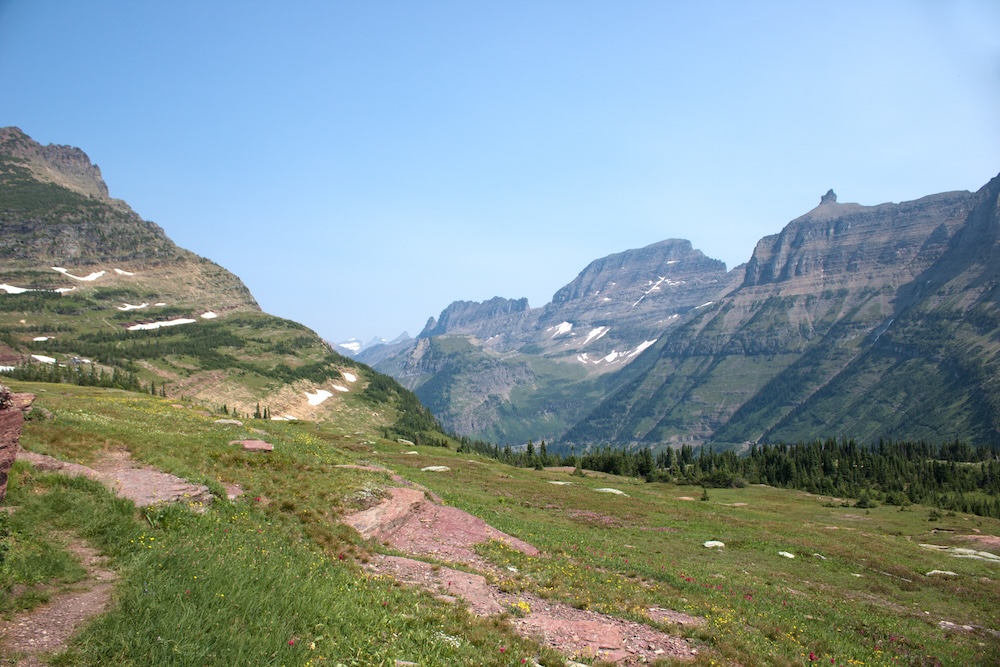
(362, 164)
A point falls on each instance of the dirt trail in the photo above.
(142, 485)
(410, 521)
(46, 629)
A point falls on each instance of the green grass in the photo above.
(276, 565)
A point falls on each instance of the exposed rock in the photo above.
(714, 544)
(253, 445)
(12, 408)
(786, 554)
(232, 422)
(144, 486)
(435, 469)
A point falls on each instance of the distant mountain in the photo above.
(505, 371)
(354, 347)
(863, 321)
(91, 292)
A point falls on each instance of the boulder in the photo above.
(12, 409)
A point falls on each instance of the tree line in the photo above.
(953, 476)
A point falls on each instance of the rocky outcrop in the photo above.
(67, 166)
(12, 408)
(481, 319)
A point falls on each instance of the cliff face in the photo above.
(830, 334)
(844, 244)
(65, 166)
(55, 212)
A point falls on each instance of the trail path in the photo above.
(46, 629)
(32, 635)
(141, 484)
(411, 521)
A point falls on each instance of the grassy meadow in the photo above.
(272, 578)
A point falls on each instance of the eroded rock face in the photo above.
(12, 407)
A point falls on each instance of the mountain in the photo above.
(91, 292)
(353, 347)
(862, 321)
(505, 371)
(839, 329)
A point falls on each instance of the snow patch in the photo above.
(614, 491)
(42, 358)
(208, 316)
(124, 273)
(41, 339)
(597, 334)
(90, 278)
(63, 290)
(129, 306)
(563, 328)
(317, 398)
(159, 304)
(707, 303)
(339, 388)
(643, 346)
(350, 377)
(156, 325)
(7, 369)
(352, 345)
(10, 289)
(611, 357)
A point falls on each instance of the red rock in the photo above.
(254, 445)
(12, 408)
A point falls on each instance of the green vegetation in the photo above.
(955, 477)
(276, 566)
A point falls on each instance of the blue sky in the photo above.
(360, 165)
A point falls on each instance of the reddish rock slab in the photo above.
(254, 445)
(410, 521)
(12, 408)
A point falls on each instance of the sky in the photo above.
(361, 165)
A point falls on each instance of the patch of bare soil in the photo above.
(411, 522)
(142, 485)
(29, 637)
(989, 540)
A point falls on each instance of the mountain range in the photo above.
(853, 321)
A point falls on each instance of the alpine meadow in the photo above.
(793, 461)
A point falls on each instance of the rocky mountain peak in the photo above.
(469, 317)
(829, 198)
(67, 166)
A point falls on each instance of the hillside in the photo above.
(343, 547)
(92, 293)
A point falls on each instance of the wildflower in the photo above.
(812, 656)
(291, 642)
(503, 649)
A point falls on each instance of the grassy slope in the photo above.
(271, 568)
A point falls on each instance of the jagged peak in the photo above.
(829, 198)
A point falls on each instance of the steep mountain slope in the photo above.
(931, 370)
(814, 299)
(505, 371)
(91, 292)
